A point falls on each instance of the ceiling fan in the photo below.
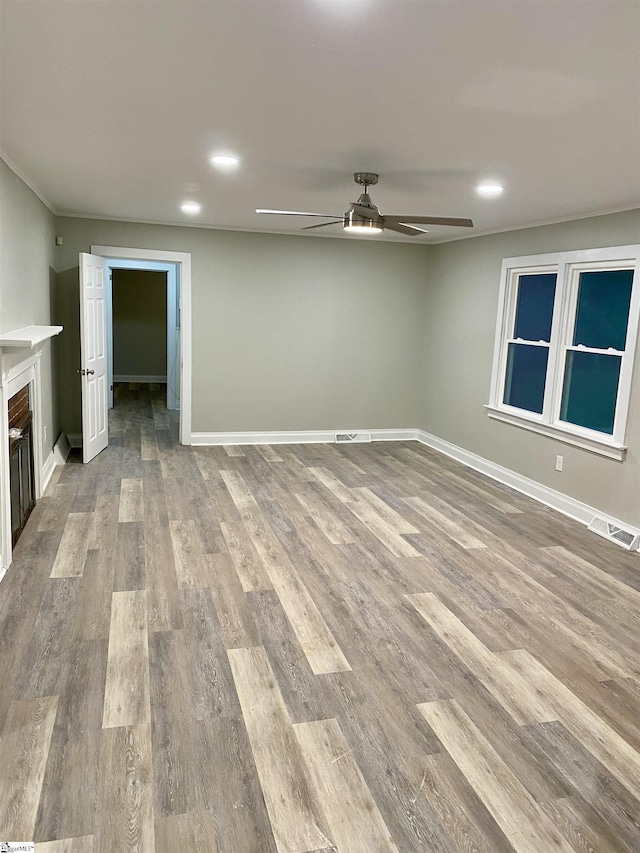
(365, 218)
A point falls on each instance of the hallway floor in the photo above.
(296, 648)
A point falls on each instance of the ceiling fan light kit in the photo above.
(364, 217)
(360, 225)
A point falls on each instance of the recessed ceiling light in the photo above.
(224, 160)
(190, 207)
(489, 190)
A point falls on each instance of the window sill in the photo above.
(603, 447)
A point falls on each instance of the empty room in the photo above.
(320, 426)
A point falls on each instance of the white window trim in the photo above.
(567, 266)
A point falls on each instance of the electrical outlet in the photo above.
(44, 432)
(559, 463)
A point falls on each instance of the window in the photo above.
(565, 341)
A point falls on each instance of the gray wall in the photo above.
(462, 306)
(296, 333)
(27, 278)
(139, 299)
(289, 333)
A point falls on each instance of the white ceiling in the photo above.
(112, 107)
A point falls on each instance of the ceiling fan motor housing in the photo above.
(364, 214)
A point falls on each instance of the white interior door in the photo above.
(93, 356)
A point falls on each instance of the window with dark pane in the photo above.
(590, 390)
(534, 308)
(526, 376)
(603, 309)
(565, 341)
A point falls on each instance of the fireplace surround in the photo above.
(20, 353)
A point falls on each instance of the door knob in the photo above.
(84, 372)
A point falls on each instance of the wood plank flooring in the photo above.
(312, 649)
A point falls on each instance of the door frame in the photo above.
(183, 260)
(172, 295)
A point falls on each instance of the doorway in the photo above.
(177, 264)
(143, 325)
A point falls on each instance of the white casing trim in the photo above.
(183, 259)
(47, 470)
(325, 436)
(121, 377)
(567, 267)
(550, 497)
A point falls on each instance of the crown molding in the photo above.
(541, 224)
(405, 241)
(26, 180)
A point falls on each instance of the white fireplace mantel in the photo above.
(29, 336)
(20, 353)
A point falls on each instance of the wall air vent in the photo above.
(351, 437)
(625, 538)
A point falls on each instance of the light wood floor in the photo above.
(363, 649)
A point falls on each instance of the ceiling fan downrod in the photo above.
(366, 180)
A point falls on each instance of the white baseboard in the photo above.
(121, 377)
(564, 504)
(325, 436)
(550, 497)
(47, 471)
(61, 449)
(74, 439)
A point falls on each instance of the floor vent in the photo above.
(626, 538)
(346, 437)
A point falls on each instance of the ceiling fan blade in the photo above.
(403, 229)
(298, 213)
(322, 225)
(430, 220)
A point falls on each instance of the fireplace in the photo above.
(25, 464)
(21, 462)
